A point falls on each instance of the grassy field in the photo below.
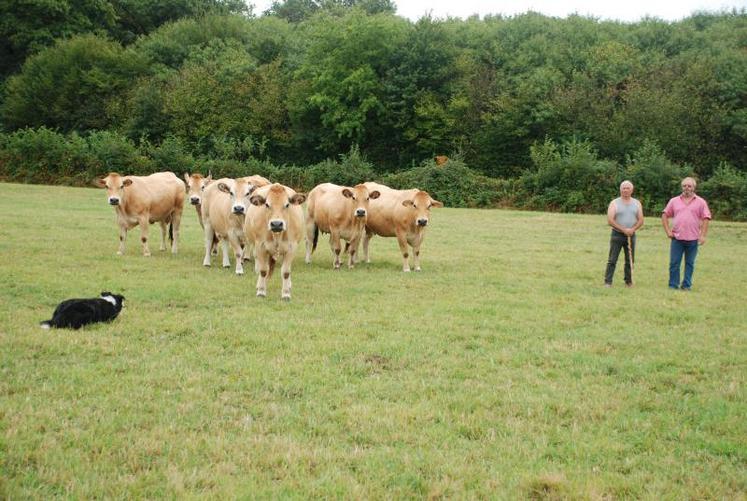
(503, 370)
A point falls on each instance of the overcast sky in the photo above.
(623, 10)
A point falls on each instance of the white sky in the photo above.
(623, 10)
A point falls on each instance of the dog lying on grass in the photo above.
(75, 313)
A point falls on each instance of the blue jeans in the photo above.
(679, 247)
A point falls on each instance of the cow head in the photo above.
(240, 190)
(196, 185)
(421, 203)
(359, 196)
(115, 185)
(277, 203)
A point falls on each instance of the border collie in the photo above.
(75, 313)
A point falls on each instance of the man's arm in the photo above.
(665, 224)
(703, 231)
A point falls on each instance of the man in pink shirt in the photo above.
(690, 226)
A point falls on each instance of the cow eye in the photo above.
(267, 205)
(287, 204)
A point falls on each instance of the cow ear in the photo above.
(374, 194)
(298, 198)
(408, 203)
(186, 178)
(224, 188)
(436, 203)
(257, 200)
(347, 193)
(127, 182)
(100, 182)
(208, 179)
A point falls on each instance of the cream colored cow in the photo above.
(143, 200)
(196, 185)
(274, 222)
(340, 211)
(399, 213)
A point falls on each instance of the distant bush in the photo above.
(44, 156)
(568, 178)
(655, 177)
(453, 183)
(112, 152)
(726, 193)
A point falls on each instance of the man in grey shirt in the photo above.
(625, 215)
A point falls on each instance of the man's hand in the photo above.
(701, 241)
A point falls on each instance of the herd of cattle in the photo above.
(265, 221)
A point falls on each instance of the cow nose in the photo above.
(194, 200)
(238, 209)
(360, 212)
(113, 201)
(422, 222)
(276, 226)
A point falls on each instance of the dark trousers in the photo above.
(619, 241)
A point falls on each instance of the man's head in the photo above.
(688, 186)
(626, 188)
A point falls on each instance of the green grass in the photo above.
(503, 369)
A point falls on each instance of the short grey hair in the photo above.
(626, 182)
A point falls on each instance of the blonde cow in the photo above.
(224, 209)
(274, 223)
(340, 211)
(196, 185)
(143, 200)
(399, 213)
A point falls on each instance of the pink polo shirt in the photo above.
(687, 216)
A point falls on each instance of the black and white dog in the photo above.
(75, 313)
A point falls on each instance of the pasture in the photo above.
(503, 370)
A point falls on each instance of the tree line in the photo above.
(547, 111)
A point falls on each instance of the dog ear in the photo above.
(105, 293)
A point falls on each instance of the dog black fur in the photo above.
(75, 313)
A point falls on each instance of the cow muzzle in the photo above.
(113, 200)
(239, 209)
(422, 222)
(360, 213)
(277, 226)
(195, 200)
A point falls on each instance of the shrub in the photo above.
(726, 193)
(656, 179)
(453, 183)
(44, 156)
(113, 152)
(568, 178)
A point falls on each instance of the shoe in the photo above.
(673, 288)
(628, 285)
(608, 285)
(685, 289)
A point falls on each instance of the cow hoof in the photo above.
(406, 270)
(286, 298)
(261, 294)
(120, 253)
(417, 269)
(227, 265)
(146, 254)
(239, 272)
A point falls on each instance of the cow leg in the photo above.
(352, 249)
(366, 239)
(163, 236)
(402, 241)
(310, 229)
(334, 242)
(286, 273)
(122, 238)
(226, 261)
(238, 254)
(209, 237)
(144, 227)
(176, 222)
(416, 251)
(262, 265)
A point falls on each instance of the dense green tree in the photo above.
(74, 86)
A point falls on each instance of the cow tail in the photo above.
(171, 232)
(316, 238)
